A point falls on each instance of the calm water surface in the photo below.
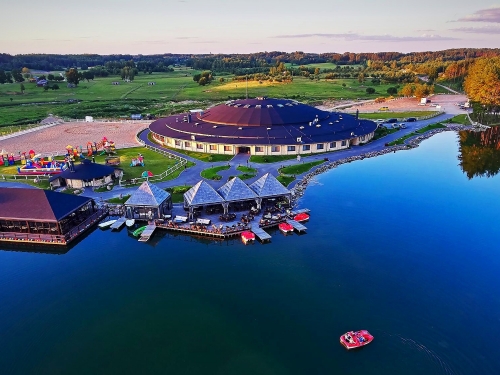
(404, 245)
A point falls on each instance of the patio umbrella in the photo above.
(3, 152)
(147, 174)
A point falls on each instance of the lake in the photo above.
(404, 245)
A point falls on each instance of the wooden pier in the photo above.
(118, 223)
(147, 233)
(297, 226)
(261, 234)
(205, 233)
(301, 211)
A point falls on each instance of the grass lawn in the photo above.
(247, 173)
(119, 200)
(387, 115)
(212, 173)
(459, 119)
(285, 180)
(382, 132)
(177, 192)
(402, 140)
(300, 168)
(271, 158)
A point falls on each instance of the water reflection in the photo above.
(480, 152)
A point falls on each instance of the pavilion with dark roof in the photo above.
(85, 174)
(148, 202)
(268, 188)
(236, 194)
(38, 215)
(201, 195)
(262, 126)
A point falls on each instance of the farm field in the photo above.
(173, 92)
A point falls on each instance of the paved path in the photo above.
(191, 175)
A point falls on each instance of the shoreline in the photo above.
(301, 185)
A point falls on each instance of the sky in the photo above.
(216, 26)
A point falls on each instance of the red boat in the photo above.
(353, 340)
(285, 227)
(247, 237)
(301, 217)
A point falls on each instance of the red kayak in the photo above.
(285, 227)
(301, 217)
(353, 340)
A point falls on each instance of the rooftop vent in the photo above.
(330, 123)
(301, 127)
(215, 126)
(240, 128)
(237, 105)
(318, 126)
(269, 106)
(268, 128)
(246, 106)
(280, 105)
(258, 106)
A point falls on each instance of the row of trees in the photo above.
(417, 89)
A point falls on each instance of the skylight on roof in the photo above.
(246, 106)
(258, 106)
(269, 106)
(280, 105)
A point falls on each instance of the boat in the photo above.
(357, 339)
(301, 217)
(285, 227)
(130, 222)
(247, 237)
(139, 231)
(106, 224)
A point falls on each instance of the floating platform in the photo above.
(118, 223)
(297, 226)
(147, 233)
(300, 211)
(261, 234)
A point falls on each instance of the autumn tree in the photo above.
(482, 83)
(72, 76)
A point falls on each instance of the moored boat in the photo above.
(106, 224)
(130, 222)
(285, 227)
(247, 237)
(301, 217)
(139, 231)
(356, 339)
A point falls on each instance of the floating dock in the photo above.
(147, 233)
(261, 234)
(301, 211)
(297, 226)
(118, 223)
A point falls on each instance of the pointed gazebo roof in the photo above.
(201, 194)
(147, 195)
(236, 190)
(269, 186)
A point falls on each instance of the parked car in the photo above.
(392, 120)
(402, 125)
(410, 119)
(383, 109)
(395, 126)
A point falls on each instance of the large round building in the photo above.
(262, 127)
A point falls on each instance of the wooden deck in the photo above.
(300, 211)
(147, 233)
(118, 223)
(297, 226)
(261, 234)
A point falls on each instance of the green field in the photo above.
(285, 180)
(423, 130)
(177, 192)
(212, 173)
(174, 92)
(300, 168)
(459, 119)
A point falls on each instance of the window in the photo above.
(275, 149)
(199, 146)
(344, 143)
(228, 148)
(259, 149)
(333, 144)
(187, 144)
(306, 148)
(213, 147)
(363, 138)
(177, 142)
(290, 148)
(320, 146)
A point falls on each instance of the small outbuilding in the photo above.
(148, 202)
(85, 174)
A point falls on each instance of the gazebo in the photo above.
(201, 195)
(269, 188)
(236, 193)
(148, 202)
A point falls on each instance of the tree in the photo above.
(316, 71)
(361, 77)
(221, 79)
(203, 81)
(482, 83)
(16, 74)
(55, 86)
(22, 88)
(370, 90)
(196, 77)
(72, 76)
(26, 72)
(3, 77)
(50, 77)
(392, 91)
(407, 90)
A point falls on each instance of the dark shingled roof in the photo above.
(236, 190)
(221, 124)
(201, 194)
(147, 195)
(86, 171)
(37, 204)
(268, 186)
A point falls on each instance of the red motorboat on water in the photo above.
(285, 227)
(301, 217)
(357, 339)
(247, 237)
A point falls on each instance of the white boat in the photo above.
(130, 222)
(106, 224)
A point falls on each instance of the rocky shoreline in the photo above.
(413, 142)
